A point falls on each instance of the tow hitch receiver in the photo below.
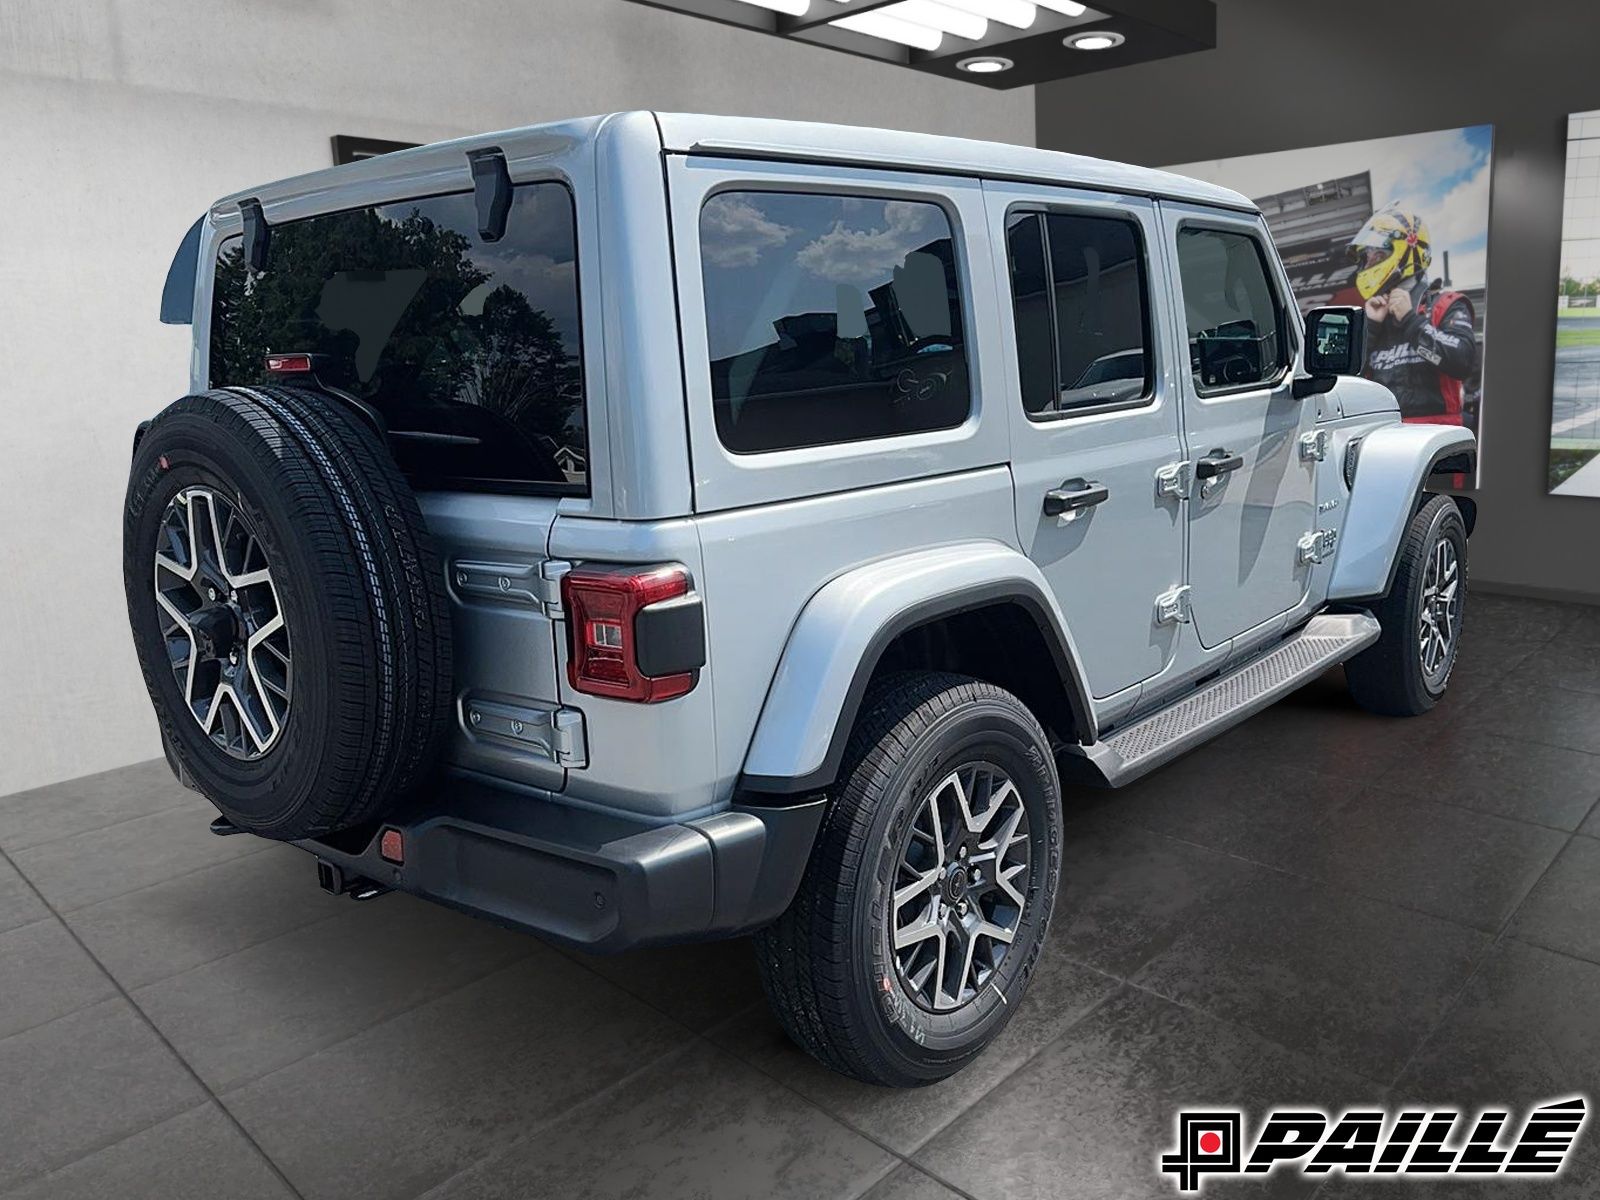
(333, 879)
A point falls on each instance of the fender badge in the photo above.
(1328, 505)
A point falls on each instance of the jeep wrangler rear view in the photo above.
(652, 527)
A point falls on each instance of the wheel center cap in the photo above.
(216, 630)
(956, 881)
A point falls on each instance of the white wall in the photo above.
(120, 120)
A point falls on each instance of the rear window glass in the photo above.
(830, 319)
(468, 350)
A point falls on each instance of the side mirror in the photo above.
(1336, 344)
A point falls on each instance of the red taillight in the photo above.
(602, 612)
(289, 364)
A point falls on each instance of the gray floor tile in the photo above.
(193, 918)
(1061, 993)
(91, 802)
(1526, 781)
(1091, 1116)
(700, 984)
(78, 1084)
(418, 1098)
(1127, 893)
(44, 974)
(1538, 713)
(699, 1124)
(1454, 863)
(197, 1155)
(239, 1017)
(1591, 827)
(1584, 628)
(1352, 981)
(1482, 663)
(19, 903)
(1253, 809)
(80, 870)
(1563, 665)
(908, 1183)
(1523, 1032)
(1563, 913)
(1495, 618)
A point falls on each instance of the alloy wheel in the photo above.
(1439, 623)
(226, 637)
(961, 886)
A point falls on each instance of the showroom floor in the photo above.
(1324, 907)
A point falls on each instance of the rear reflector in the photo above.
(392, 846)
(603, 631)
(289, 364)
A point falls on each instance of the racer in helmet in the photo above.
(1420, 340)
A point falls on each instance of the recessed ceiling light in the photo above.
(1095, 39)
(985, 64)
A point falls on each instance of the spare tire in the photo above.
(288, 609)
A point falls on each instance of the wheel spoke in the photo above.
(917, 931)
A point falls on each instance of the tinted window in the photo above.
(830, 319)
(1080, 298)
(468, 350)
(1236, 336)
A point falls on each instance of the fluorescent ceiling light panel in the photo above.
(793, 8)
(1067, 8)
(936, 15)
(891, 29)
(1019, 14)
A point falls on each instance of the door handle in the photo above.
(1217, 464)
(1074, 496)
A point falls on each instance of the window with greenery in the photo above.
(468, 350)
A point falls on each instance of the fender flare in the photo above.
(1392, 469)
(845, 627)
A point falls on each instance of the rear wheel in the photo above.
(925, 904)
(287, 609)
(1406, 671)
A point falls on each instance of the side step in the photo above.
(1127, 754)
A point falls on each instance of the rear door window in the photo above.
(1082, 311)
(468, 350)
(830, 319)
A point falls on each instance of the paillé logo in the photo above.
(1366, 1142)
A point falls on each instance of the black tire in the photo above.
(1389, 677)
(827, 964)
(356, 579)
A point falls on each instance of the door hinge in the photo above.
(1318, 545)
(556, 735)
(1175, 479)
(1314, 445)
(1172, 608)
(551, 572)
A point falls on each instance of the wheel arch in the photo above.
(1392, 470)
(872, 619)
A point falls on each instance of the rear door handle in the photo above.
(1217, 463)
(1074, 496)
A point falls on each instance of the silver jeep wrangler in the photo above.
(657, 527)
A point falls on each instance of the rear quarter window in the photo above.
(468, 350)
(830, 319)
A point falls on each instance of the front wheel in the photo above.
(1405, 672)
(924, 907)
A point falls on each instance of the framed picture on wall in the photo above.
(347, 149)
(1399, 226)
(1575, 408)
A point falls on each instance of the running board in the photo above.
(1162, 736)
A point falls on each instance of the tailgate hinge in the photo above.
(1172, 608)
(551, 572)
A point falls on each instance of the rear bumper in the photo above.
(590, 880)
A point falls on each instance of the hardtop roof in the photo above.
(758, 137)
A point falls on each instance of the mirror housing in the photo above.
(1336, 344)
